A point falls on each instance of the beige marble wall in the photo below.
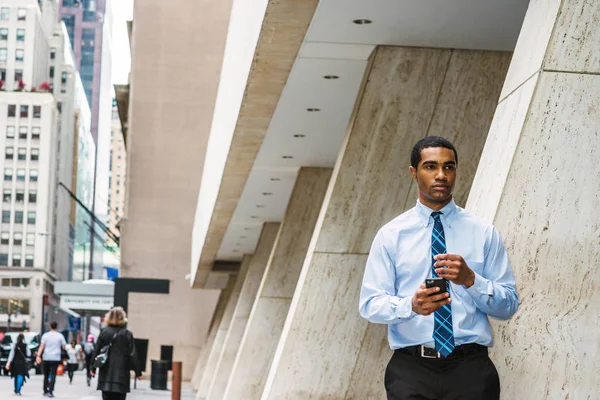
(326, 350)
(241, 314)
(546, 208)
(224, 299)
(275, 294)
(208, 366)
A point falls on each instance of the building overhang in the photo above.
(122, 95)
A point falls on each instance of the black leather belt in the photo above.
(428, 352)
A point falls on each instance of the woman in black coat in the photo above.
(17, 362)
(114, 376)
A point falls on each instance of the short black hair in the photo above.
(430, 141)
(53, 325)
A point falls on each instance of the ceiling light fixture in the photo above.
(299, 136)
(260, 206)
(331, 77)
(287, 157)
(275, 179)
(236, 251)
(253, 217)
(313, 109)
(243, 237)
(247, 229)
(267, 193)
(362, 21)
(238, 244)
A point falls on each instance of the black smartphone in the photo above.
(436, 282)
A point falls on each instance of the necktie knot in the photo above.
(436, 215)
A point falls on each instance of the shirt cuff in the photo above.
(402, 307)
(481, 287)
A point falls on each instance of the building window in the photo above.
(4, 34)
(7, 196)
(3, 74)
(52, 53)
(18, 239)
(24, 111)
(19, 54)
(22, 156)
(3, 54)
(12, 110)
(35, 154)
(29, 260)
(20, 175)
(6, 216)
(52, 72)
(30, 240)
(8, 174)
(20, 35)
(23, 132)
(3, 259)
(10, 132)
(37, 111)
(5, 238)
(16, 261)
(31, 218)
(21, 14)
(18, 217)
(63, 78)
(9, 154)
(35, 133)
(33, 175)
(33, 196)
(5, 15)
(20, 196)
(18, 75)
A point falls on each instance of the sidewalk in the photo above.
(80, 391)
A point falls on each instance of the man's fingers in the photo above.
(452, 257)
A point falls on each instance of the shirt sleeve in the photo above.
(378, 301)
(11, 355)
(494, 291)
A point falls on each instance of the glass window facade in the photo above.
(69, 20)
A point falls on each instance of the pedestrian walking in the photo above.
(17, 363)
(75, 354)
(116, 341)
(50, 356)
(89, 348)
(435, 275)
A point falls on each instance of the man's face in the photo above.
(435, 176)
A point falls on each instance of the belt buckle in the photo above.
(427, 352)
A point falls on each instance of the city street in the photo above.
(79, 390)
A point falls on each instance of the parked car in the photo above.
(32, 339)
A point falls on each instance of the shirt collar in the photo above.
(448, 213)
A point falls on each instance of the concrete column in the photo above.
(327, 350)
(275, 294)
(539, 182)
(256, 270)
(208, 361)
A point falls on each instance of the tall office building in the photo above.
(38, 145)
(89, 28)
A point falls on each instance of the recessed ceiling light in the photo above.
(236, 251)
(313, 109)
(331, 77)
(254, 217)
(275, 179)
(299, 136)
(247, 229)
(238, 244)
(267, 193)
(287, 157)
(243, 237)
(362, 21)
(260, 206)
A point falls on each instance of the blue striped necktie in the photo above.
(443, 334)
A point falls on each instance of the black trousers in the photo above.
(113, 396)
(465, 377)
(50, 368)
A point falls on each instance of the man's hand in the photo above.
(424, 304)
(7, 366)
(38, 360)
(457, 270)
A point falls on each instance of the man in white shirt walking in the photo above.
(53, 343)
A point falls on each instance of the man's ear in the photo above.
(413, 172)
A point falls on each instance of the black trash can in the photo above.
(159, 375)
